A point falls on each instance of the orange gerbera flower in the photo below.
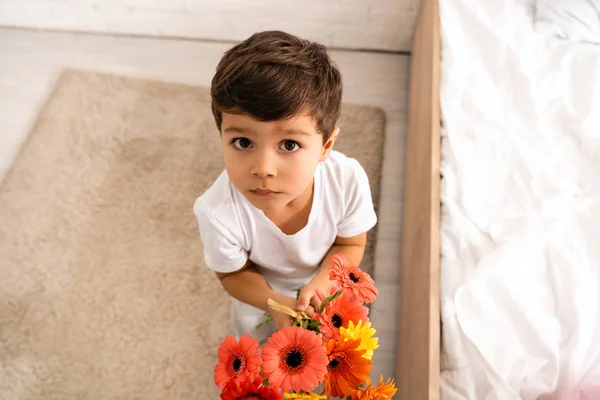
(250, 390)
(294, 358)
(347, 368)
(383, 391)
(339, 312)
(355, 283)
(237, 361)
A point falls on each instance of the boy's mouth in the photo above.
(264, 192)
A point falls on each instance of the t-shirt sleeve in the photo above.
(222, 251)
(359, 215)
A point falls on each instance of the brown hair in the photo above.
(274, 75)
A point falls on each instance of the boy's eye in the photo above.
(242, 143)
(289, 146)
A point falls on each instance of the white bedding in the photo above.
(575, 20)
(520, 206)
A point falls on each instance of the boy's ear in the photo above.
(329, 144)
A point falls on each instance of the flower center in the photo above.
(354, 278)
(294, 359)
(237, 364)
(333, 363)
(336, 320)
(252, 396)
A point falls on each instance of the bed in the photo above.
(500, 281)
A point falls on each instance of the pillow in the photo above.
(575, 20)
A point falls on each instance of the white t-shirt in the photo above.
(233, 230)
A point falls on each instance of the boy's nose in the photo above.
(264, 166)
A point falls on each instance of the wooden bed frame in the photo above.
(418, 359)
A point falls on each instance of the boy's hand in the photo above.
(308, 301)
(283, 320)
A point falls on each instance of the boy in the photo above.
(286, 202)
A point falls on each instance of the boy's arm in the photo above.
(353, 248)
(249, 286)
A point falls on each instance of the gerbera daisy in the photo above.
(250, 390)
(303, 395)
(364, 332)
(355, 283)
(383, 391)
(294, 358)
(237, 361)
(338, 313)
(347, 368)
(332, 295)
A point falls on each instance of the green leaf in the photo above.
(314, 324)
(265, 322)
(328, 299)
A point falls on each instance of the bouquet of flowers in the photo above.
(333, 349)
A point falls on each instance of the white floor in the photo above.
(30, 61)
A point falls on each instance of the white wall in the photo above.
(355, 24)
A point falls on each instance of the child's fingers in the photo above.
(315, 302)
(309, 311)
(320, 294)
(304, 299)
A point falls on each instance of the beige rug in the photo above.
(103, 291)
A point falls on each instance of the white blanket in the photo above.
(521, 206)
(575, 20)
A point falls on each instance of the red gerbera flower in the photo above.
(337, 313)
(238, 361)
(347, 368)
(294, 358)
(250, 390)
(355, 283)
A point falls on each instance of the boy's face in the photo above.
(272, 163)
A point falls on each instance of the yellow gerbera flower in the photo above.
(364, 332)
(306, 396)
